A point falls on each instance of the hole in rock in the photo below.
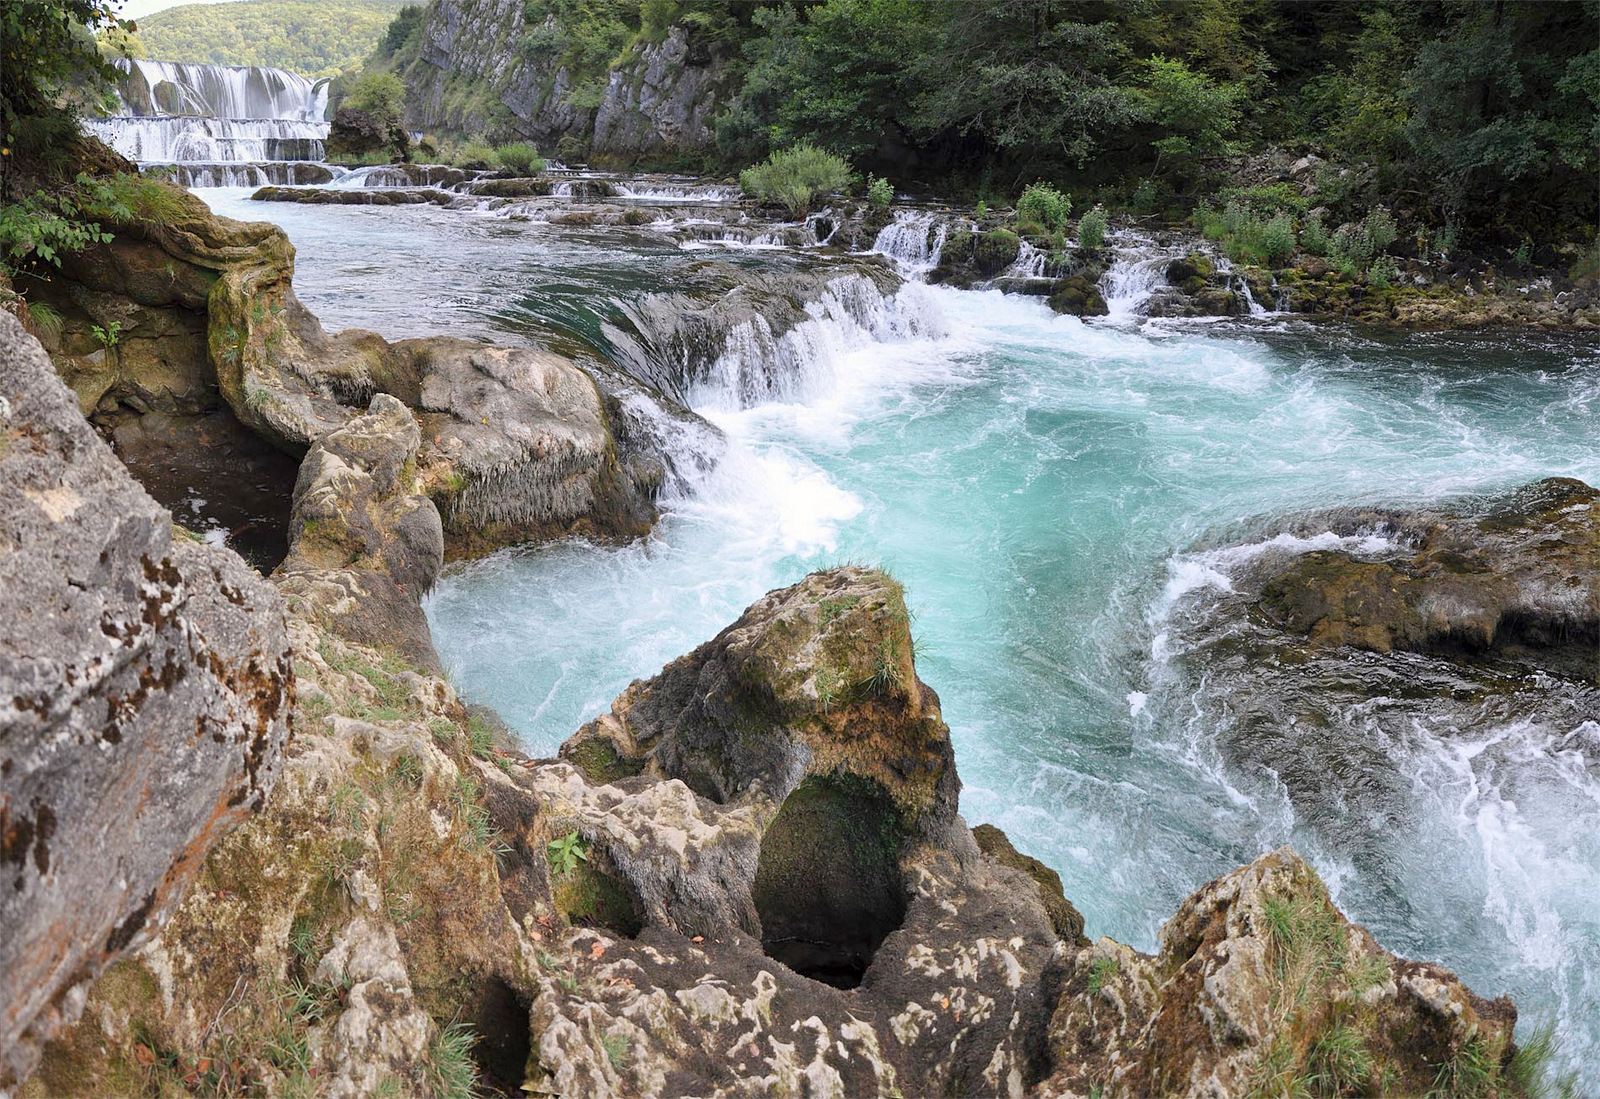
(216, 477)
(501, 1052)
(590, 897)
(828, 884)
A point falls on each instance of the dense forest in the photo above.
(315, 38)
(1463, 113)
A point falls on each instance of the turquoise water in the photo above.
(1048, 490)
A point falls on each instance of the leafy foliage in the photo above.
(1092, 228)
(566, 852)
(519, 157)
(880, 192)
(315, 38)
(1044, 206)
(796, 177)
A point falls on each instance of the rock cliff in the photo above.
(472, 74)
(145, 694)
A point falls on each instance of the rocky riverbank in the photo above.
(759, 848)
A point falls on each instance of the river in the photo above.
(1048, 489)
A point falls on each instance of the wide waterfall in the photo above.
(218, 124)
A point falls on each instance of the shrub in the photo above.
(1092, 228)
(880, 192)
(1314, 236)
(1043, 205)
(796, 177)
(474, 153)
(1382, 273)
(379, 94)
(519, 157)
(1246, 236)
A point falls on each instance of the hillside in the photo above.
(313, 37)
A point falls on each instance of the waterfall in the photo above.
(185, 116)
(159, 88)
(1139, 268)
(675, 193)
(1029, 264)
(914, 240)
(757, 366)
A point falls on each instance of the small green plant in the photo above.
(1314, 236)
(1382, 273)
(1092, 228)
(519, 157)
(880, 192)
(480, 737)
(796, 177)
(1043, 205)
(1523, 256)
(1145, 198)
(449, 1071)
(830, 687)
(616, 1047)
(45, 318)
(408, 770)
(1101, 970)
(109, 336)
(1468, 1074)
(980, 211)
(1531, 1072)
(566, 852)
(256, 395)
(1340, 1063)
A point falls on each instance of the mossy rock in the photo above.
(995, 250)
(1066, 919)
(1078, 297)
(589, 897)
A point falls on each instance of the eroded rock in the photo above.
(145, 688)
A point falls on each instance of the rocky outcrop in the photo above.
(748, 877)
(145, 690)
(1261, 987)
(517, 445)
(473, 74)
(1520, 580)
(365, 545)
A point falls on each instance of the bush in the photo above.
(379, 94)
(880, 192)
(473, 154)
(1043, 205)
(519, 157)
(1314, 236)
(796, 177)
(1354, 245)
(1382, 273)
(1246, 236)
(1092, 228)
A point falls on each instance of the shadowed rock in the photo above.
(145, 688)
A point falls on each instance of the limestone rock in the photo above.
(365, 545)
(1519, 579)
(145, 688)
(1253, 971)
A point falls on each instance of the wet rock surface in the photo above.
(145, 690)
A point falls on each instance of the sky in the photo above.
(138, 9)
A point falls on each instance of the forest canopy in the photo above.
(315, 38)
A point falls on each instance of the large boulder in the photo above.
(1261, 987)
(145, 689)
(365, 545)
(1520, 579)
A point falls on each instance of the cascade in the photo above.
(1139, 268)
(218, 125)
(914, 240)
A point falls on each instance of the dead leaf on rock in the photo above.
(144, 1054)
(597, 949)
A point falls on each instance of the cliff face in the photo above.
(472, 75)
(145, 690)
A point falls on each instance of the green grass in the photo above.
(1532, 1070)
(617, 1049)
(1469, 1074)
(449, 1072)
(1340, 1063)
(1101, 970)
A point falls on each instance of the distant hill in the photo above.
(315, 38)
